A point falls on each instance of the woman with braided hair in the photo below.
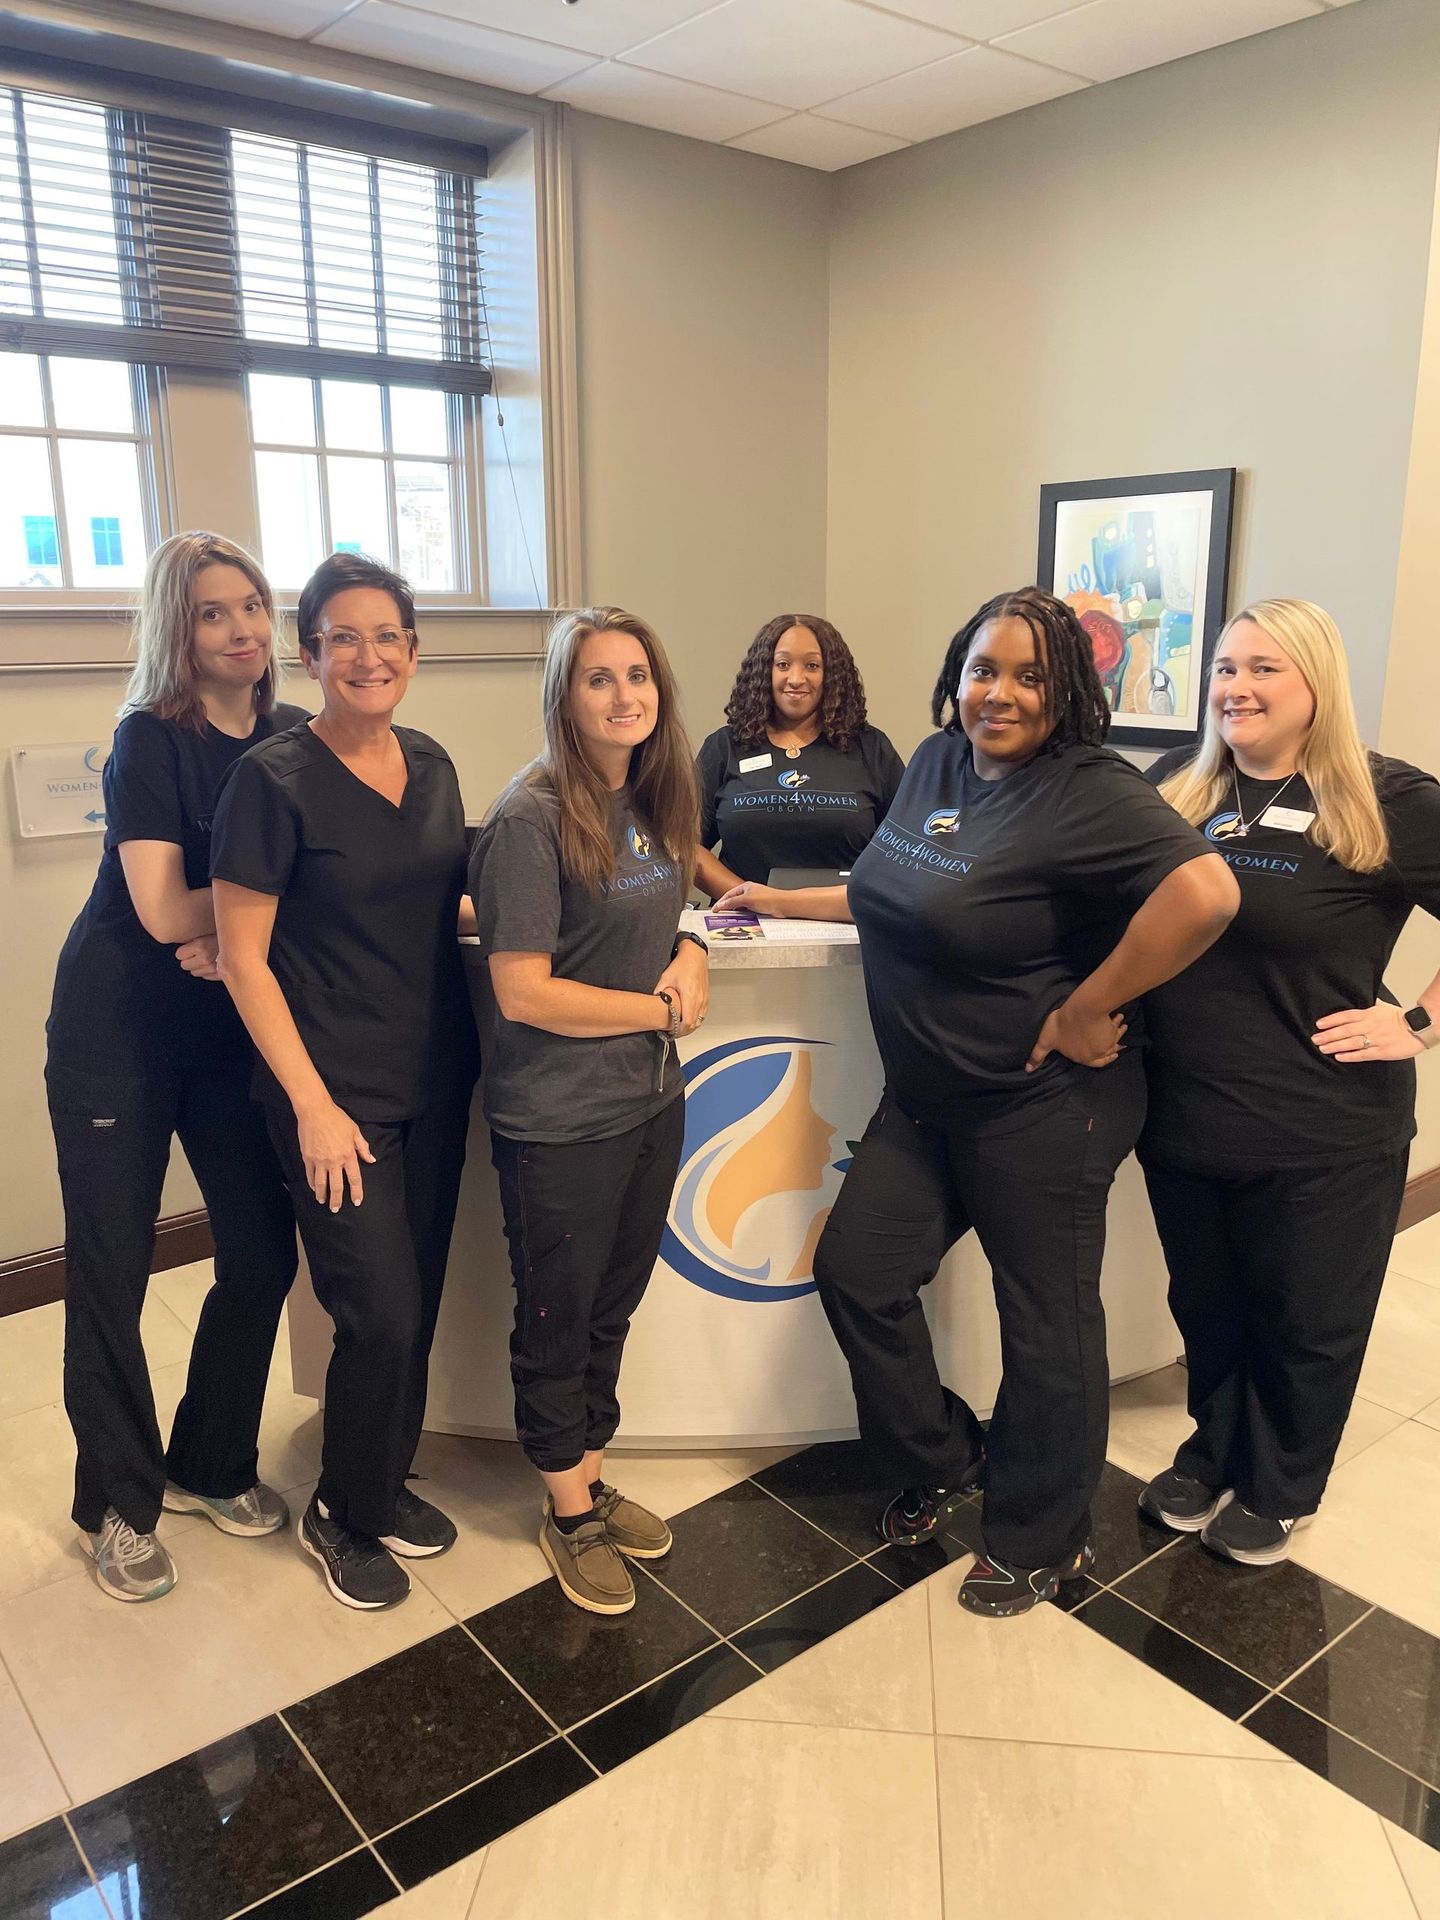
(1026, 887)
(796, 778)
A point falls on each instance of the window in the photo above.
(358, 467)
(342, 284)
(75, 472)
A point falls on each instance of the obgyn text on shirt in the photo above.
(919, 855)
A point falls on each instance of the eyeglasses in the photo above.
(390, 641)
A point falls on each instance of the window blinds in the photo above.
(137, 236)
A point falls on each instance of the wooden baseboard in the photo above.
(35, 1279)
(1422, 1198)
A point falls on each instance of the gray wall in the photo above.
(1220, 262)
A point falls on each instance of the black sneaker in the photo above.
(1238, 1534)
(421, 1531)
(918, 1513)
(358, 1570)
(995, 1588)
(1177, 1501)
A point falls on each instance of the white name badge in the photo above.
(754, 763)
(1288, 819)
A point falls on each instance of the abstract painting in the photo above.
(1144, 562)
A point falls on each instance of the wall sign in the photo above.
(57, 789)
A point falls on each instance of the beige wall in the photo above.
(1410, 723)
(1216, 263)
(702, 317)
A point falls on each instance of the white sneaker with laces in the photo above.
(128, 1565)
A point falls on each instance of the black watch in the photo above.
(687, 935)
(1418, 1020)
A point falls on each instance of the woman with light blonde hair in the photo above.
(1282, 1079)
(578, 878)
(145, 1047)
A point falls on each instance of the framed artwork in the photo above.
(1145, 563)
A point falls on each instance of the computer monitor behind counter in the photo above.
(792, 877)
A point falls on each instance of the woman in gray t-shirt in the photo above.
(578, 878)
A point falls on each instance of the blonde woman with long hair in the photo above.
(578, 878)
(145, 1047)
(1282, 1077)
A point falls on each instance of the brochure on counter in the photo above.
(728, 929)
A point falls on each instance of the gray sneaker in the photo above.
(588, 1565)
(638, 1533)
(257, 1511)
(128, 1565)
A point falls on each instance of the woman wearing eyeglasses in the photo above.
(339, 866)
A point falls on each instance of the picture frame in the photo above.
(1144, 560)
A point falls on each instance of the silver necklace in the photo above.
(1245, 825)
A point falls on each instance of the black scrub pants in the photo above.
(113, 1146)
(378, 1270)
(1274, 1281)
(584, 1222)
(1033, 1185)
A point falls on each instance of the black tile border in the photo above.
(572, 1756)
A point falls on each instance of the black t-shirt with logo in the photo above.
(556, 1087)
(122, 1000)
(982, 904)
(1236, 1084)
(818, 810)
(365, 944)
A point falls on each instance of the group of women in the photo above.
(1051, 941)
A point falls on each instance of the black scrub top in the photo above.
(1236, 1084)
(982, 905)
(365, 946)
(122, 1002)
(817, 810)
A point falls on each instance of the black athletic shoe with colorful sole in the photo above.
(992, 1587)
(918, 1513)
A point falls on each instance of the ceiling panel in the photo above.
(978, 19)
(796, 52)
(811, 142)
(594, 26)
(657, 100)
(1107, 38)
(451, 47)
(295, 17)
(974, 85)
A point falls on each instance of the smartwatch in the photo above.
(1418, 1020)
(685, 934)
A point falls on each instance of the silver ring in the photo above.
(1364, 1039)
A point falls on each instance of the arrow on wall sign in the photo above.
(97, 819)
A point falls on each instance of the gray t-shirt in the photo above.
(548, 1086)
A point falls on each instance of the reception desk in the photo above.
(730, 1347)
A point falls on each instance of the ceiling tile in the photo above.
(1107, 38)
(451, 47)
(796, 52)
(294, 17)
(978, 19)
(595, 26)
(656, 100)
(817, 143)
(978, 84)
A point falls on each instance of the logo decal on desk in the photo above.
(756, 1171)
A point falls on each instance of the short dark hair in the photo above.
(1074, 697)
(336, 575)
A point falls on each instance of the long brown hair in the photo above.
(164, 680)
(1348, 824)
(751, 707)
(662, 768)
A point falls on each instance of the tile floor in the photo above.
(791, 1722)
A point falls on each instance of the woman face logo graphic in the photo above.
(756, 1176)
(794, 779)
(641, 845)
(1225, 826)
(945, 820)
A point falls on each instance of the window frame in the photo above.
(149, 439)
(467, 489)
